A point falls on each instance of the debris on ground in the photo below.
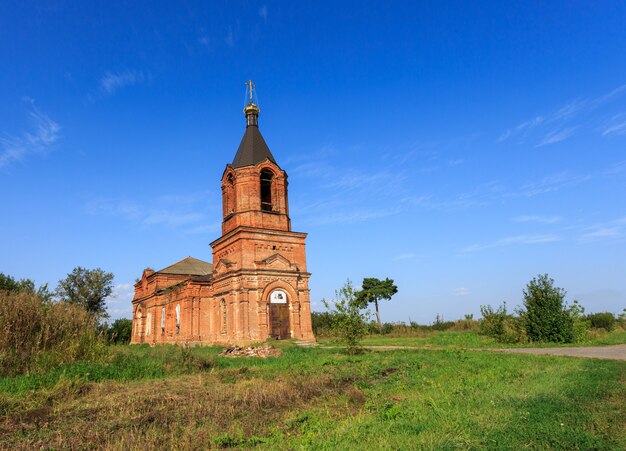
(263, 351)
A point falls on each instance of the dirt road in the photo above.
(613, 352)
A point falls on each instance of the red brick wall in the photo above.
(256, 254)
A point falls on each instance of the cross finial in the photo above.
(250, 89)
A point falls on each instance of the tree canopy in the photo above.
(546, 317)
(374, 290)
(88, 288)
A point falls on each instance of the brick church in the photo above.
(258, 285)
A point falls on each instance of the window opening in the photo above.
(148, 324)
(177, 319)
(266, 190)
(230, 194)
(162, 320)
(223, 314)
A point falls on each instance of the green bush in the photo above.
(120, 331)
(498, 324)
(580, 324)
(322, 323)
(349, 320)
(604, 320)
(442, 325)
(545, 317)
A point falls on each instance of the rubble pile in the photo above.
(262, 351)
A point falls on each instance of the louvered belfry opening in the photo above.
(266, 190)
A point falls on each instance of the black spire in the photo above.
(253, 148)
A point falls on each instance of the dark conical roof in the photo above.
(252, 149)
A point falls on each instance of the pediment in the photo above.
(223, 265)
(276, 261)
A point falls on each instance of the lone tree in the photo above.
(88, 288)
(375, 290)
(349, 321)
(546, 317)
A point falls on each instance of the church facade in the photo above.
(257, 286)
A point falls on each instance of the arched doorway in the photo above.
(279, 315)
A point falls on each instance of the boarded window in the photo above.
(266, 190)
(223, 315)
(148, 324)
(163, 320)
(138, 323)
(230, 194)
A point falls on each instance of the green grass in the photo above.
(470, 339)
(319, 399)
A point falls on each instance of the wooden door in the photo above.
(279, 321)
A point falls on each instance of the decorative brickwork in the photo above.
(258, 285)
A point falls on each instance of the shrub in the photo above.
(621, 319)
(120, 331)
(604, 320)
(349, 320)
(498, 324)
(545, 317)
(322, 323)
(440, 324)
(580, 325)
(38, 335)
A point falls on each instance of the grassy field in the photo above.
(470, 339)
(166, 397)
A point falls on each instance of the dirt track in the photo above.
(613, 352)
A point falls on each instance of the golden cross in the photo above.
(251, 87)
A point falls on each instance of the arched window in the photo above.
(162, 320)
(148, 324)
(266, 190)
(230, 194)
(177, 319)
(223, 315)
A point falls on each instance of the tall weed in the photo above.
(37, 335)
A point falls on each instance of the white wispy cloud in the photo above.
(344, 195)
(615, 229)
(400, 257)
(550, 183)
(563, 122)
(349, 216)
(614, 128)
(616, 168)
(119, 304)
(510, 241)
(556, 136)
(42, 134)
(263, 12)
(461, 291)
(111, 82)
(171, 211)
(537, 218)
(521, 129)
(435, 154)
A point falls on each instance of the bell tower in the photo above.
(254, 187)
(259, 262)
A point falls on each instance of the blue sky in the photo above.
(460, 149)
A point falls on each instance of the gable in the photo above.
(276, 261)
